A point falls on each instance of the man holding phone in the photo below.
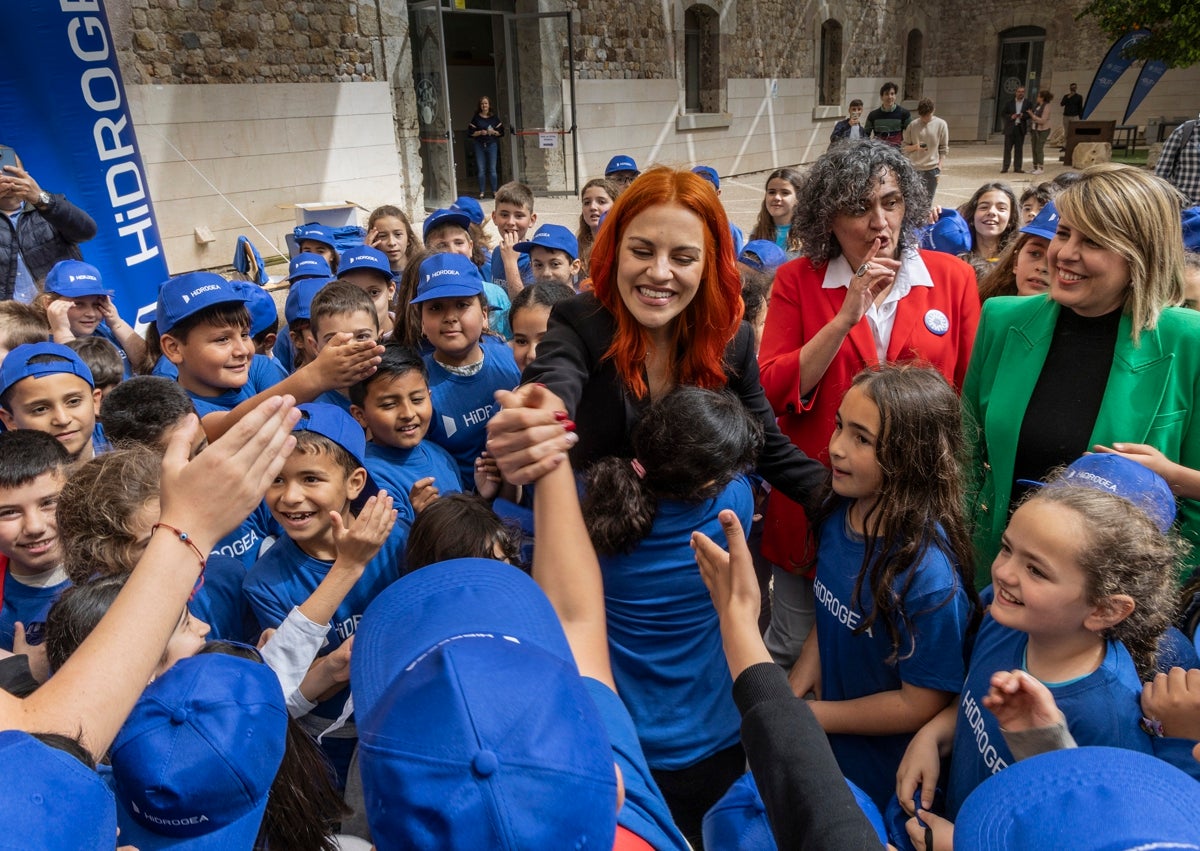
(927, 141)
(38, 229)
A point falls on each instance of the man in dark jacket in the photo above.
(37, 231)
(1016, 122)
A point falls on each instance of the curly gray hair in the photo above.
(841, 181)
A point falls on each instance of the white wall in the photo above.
(217, 153)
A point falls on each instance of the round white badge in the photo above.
(937, 322)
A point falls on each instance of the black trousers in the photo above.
(690, 792)
(1014, 147)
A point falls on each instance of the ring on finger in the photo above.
(862, 270)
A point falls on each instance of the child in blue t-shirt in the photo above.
(466, 366)
(33, 469)
(78, 305)
(323, 485)
(396, 408)
(341, 309)
(692, 446)
(894, 584)
(47, 387)
(1082, 591)
(450, 230)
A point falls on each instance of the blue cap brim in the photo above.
(448, 290)
(238, 834)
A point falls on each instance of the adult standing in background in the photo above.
(41, 230)
(888, 120)
(1039, 121)
(1072, 104)
(1016, 122)
(485, 130)
(1179, 162)
(927, 141)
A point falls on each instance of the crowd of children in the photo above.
(363, 657)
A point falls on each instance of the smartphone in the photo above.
(7, 156)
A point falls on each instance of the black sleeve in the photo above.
(72, 223)
(808, 803)
(797, 476)
(567, 353)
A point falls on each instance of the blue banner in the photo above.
(1114, 65)
(63, 108)
(1152, 72)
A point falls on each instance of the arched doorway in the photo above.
(1020, 65)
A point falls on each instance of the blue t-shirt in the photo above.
(1102, 708)
(285, 351)
(29, 605)
(852, 666)
(103, 331)
(220, 603)
(286, 576)
(664, 636)
(262, 375)
(397, 470)
(499, 305)
(644, 812)
(333, 397)
(524, 266)
(462, 405)
(739, 239)
(273, 370)
(781, 235)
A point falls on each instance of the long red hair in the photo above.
(700, 334)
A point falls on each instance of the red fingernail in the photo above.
(560, 416)
(538, 384)
(569, 425)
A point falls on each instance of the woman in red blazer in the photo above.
(861, 294)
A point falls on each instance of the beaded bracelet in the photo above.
(184, 537)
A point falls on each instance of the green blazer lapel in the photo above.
(1136, 384)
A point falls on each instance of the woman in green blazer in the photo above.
(1104, 357)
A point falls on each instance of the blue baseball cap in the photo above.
(949, 234)
(475, 729)
(449, 216)
(470, 206)
(75, 279)
(185, 295)
(708, 173)
(1087, 799)
(447, 275)
(193, 765)
(762, 255)
(53, 800)
(1191, 228)
(300, 296)
(555, 237)
(17, 364)
(1045, 224)
(365, 257)
(1121, 477)
(316, 233)
(621, 162)
(263, 312)
(308, 265)
(332, 422)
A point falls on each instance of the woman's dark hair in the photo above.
(920, 451)
(304, 807)
(842, 181)
(75, 614)
(459, 525)
(690, 443)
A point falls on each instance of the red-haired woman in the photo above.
(666, 311)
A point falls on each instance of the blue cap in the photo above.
(316, 233)
(54, 800)
(447, 275)
(263, 312)
(470, 707)
(450, 216)
(1191, 228)
(470, 206)
(194, 763)
(308, 265)
(949, 234)
(332, 422)
(762, 255)
(1091, 798)
(74, 279)
(1045, 224)
(300, 296)
(365, 257)
(1122, 477)
(555, 237)
(185, 295)
(621, 162)
(708, 173)
(17, 366)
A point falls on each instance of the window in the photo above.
(702, 59)
(913, 57)
(830, 71)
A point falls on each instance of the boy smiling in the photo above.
(47, 387)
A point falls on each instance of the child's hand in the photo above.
(919, 768)
(374, 237)
(805, 675)
(345, 361)
(1173, 699)
(108, 310)
(507, 241)
(1020, 702)
(359, 543)
(60, 325)
(531, 434)
(422, 494)
(337, 663)
(487, 476)
(936, 834)
(35, 654)
(729, 576)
